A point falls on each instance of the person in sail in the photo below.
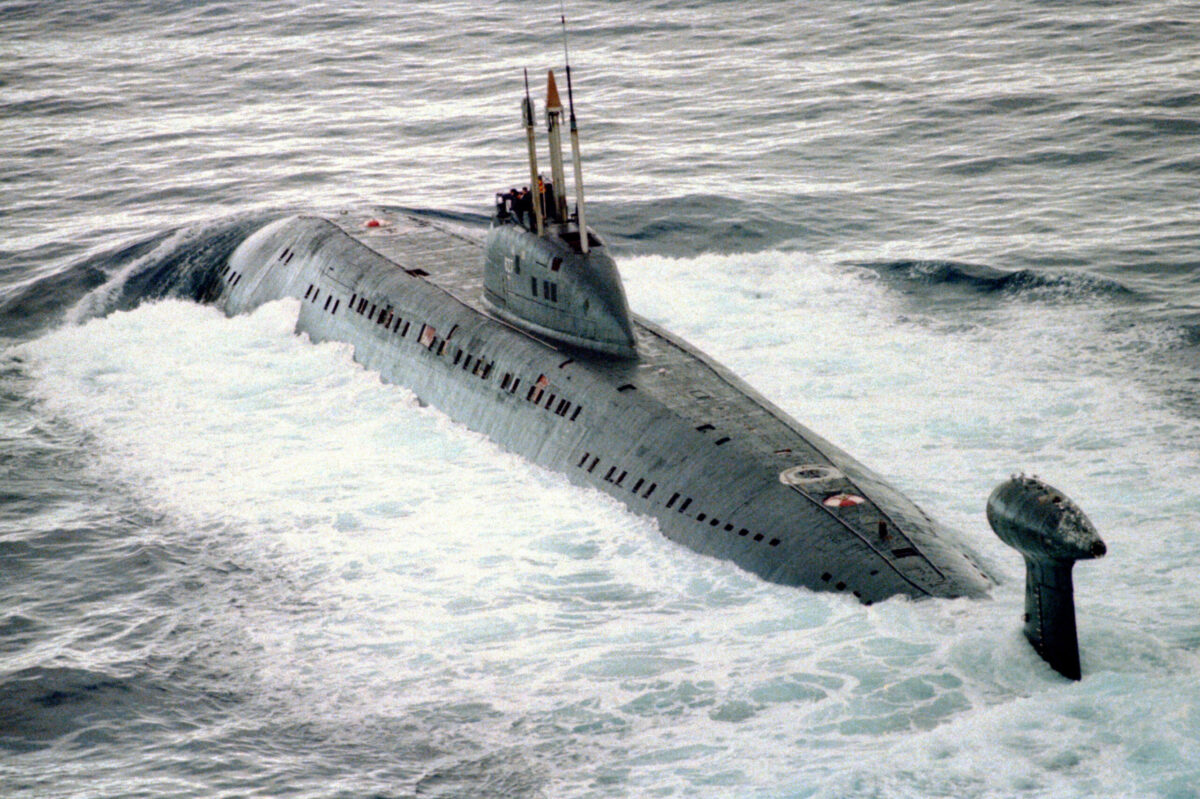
(523, 207)
(546, 193)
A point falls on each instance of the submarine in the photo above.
(525, 335)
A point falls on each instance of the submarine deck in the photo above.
(702, 393)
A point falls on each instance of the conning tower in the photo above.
(544, 270)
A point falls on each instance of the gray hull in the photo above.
(669, 433)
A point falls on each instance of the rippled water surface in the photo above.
(957, 239)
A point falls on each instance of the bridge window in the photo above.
(684, 505)
(650, 490)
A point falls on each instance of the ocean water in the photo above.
(957, 239)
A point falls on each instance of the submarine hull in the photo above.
(668, 432)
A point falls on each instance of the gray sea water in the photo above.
(957, 239)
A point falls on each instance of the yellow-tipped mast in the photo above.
(539, 212)
(554, 112)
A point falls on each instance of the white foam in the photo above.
(443, 571)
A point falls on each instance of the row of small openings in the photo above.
(478, 366)
(549, 289)
(481, 368)
(314, 293)
(612, 473)
(538, 390)
(428, 339)
(286, 255)
(715, 522)
(386, 317)
(233, 277)
(613, 477)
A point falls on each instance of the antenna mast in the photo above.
(576, 160)
(539, 211)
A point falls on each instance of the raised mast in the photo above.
(539, 211)
(577, 163)
(554, 110)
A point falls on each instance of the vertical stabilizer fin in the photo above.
(1051, 532)
(1050, 614)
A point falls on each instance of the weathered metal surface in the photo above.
(670, 433)
(1051, 532)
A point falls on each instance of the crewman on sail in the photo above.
(504, 204)
(524, 207)
(541, 195)
(547, 193)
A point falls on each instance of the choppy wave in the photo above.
(986, 279)
(397, 584)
